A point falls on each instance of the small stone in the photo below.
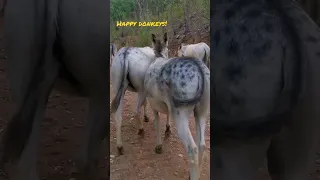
(112, 156)
(180, 155)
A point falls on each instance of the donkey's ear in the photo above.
(165, 37)
(153, 38)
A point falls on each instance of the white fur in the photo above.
(196, 50)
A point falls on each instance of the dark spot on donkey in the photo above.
(228, 30)
(263, 50)
(229, 14)
(216, 37)
(268, 26)
(233, 48)
(234, 72)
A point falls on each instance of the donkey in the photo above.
(178, 87)
(127, 72)
(113, 51)
(53, 50)
(199, 50)
(266, 92)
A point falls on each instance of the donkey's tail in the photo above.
(201, 86)
(205, 59)
(121, 86)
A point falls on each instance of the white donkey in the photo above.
(127, 72)
(113, 51)
(178, 87)
(199, 50)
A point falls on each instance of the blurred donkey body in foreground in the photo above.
(266, 91)
(48, 48)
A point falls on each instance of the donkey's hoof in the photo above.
(146, 119)
(120, 150)
(158, 149)
(168, 131)
(141, 132)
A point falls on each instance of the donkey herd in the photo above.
(177, 86)
(264, 76)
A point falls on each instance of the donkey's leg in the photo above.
(33, 107)
(180, 117)
(146, 119)
(158, 148)
(97, 128)
(140, 101)
(200, 130)
(168, 131)
(241, 161)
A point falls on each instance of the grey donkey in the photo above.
(127, 73)
(266, 90)
(48, 47)
(179, 87)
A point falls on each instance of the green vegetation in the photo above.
(189, 14)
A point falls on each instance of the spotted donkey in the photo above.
(178, 87)
(265, 94)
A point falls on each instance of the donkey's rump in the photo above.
(254, 75)
(185, 79)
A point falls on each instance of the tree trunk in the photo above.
(186, 20)
(139, 9)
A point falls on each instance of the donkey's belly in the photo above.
(158, 105)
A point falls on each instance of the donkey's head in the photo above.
(160, 47)
(181, 49)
